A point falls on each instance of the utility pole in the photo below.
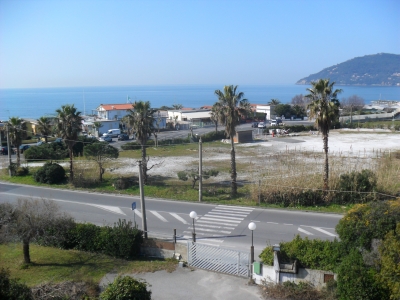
(9, 151)
(144, 223)
(200, 170)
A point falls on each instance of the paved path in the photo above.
(186, 283)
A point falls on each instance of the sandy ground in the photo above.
(365, 143)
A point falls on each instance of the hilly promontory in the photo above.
(380, 69)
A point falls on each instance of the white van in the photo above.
(112, 133)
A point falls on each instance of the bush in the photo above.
(22, 171)
(361, 184)
(126, 288)
(123, 183)
(121, 241)
(11, 289)
(356, 280)
(366, 222)
(213, 136)
(46, 151)
(50, 173)
(314, 254)
(294, 198)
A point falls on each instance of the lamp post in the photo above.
(200, 170)
(252, 227)
(193, 215)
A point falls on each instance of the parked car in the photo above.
(22, 148)
(105, 138)
(254, 124)
(58, 140)
(276, 122)
(262, 125)
(4, 150)
(123, 137)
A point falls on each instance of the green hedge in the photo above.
(121, 241)
(314, 254)
(46, 151)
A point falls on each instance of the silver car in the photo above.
(105, 138)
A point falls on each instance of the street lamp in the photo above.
(252, 227)
(193, 215)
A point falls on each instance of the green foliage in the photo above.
(361, 184)
(368, 221)
(50, 173)
(81, 144)
(194, 175)
(13, 168)
(356, 280)
(299, 128)
(126, 288)
(151, 143)
(11, 289)
(314, 254)
(293, 198)
(283, 110)
(46, 151)
(22, 171)
(213, 136)
(389, 274)
(121, 241)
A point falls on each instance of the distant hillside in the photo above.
(378, 69)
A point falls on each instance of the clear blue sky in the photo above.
(111, 43)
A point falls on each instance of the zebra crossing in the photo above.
(217, 223)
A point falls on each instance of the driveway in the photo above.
(187, 283)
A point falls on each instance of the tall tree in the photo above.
(215, 114)
(44, 127)
(100, 152)
(274, 102)
(177, 106)
(233, 108)
(69, 124)
(324, 107)
(17, 131)
(141, 118)
(29, 220)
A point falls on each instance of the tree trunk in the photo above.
(101, 173)
(216, 127)
(233, 169)
(71, 172)
(18, 156)
(326, 166)
(144, 163)
(25, 249)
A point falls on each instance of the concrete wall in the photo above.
(161, 249)
(316, 277)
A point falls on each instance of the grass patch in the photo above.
(51, 264)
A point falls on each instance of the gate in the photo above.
(218, 259)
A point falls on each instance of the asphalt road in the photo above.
(224, 226)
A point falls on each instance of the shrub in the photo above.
(293, 198)
(356, 280)
(123, 183)
(213, 136)
(46, 151)
(366, 222)
(50, 173)
(390, 266)
(314, 254)
(22, 171)
(11, 289)
(361, 184)
(126, 288)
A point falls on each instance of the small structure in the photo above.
(268, 110)
(243, 136)
(113, 111)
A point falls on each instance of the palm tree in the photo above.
(141, 118)
(44, 127)
(214, 114)
(324, 107)
(274, 102)
(69, 124)
(232, 108)
(17, 129)
(97, 126)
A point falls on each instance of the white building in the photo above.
(113, 111)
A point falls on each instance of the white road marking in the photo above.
(272, 223)
(216, 223)
(138, 213)
(227, 214)
(176, 216)
(210, 230)
(232, 211)
(114, 209)
(213, 226)
(232, 218)
(158, 215)
(216, 219)
(324, 231)
(304, 231)
(236, 208)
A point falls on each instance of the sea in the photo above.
(37, 102)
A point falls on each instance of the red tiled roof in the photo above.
(124, 106)
(206, 107)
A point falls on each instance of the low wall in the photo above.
(162, 249)
(317, 278)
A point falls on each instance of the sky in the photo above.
(177, 42)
